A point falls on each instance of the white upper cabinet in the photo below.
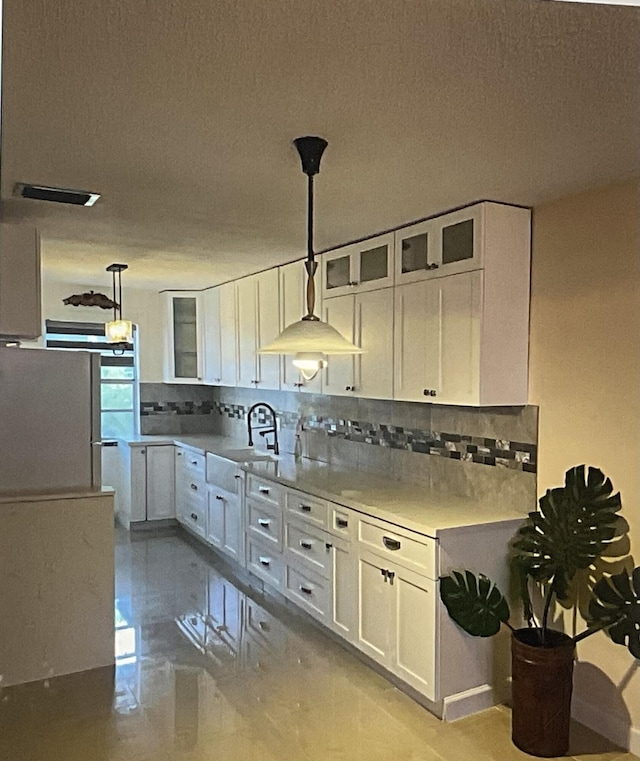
(461, 241)
(258, 310)
(366, 319)
(183, 339)
(293, 306)
(20, 302)
(358, 267)
(220, 335)
(437, 330)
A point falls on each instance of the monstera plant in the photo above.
(574, 526)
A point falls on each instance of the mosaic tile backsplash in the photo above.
(516, 455)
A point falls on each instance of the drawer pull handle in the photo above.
(305, 508)
(328, 546)
(179, 454)
(391, 544)
(194, 487)
(194, 462)
(342, 523)
(219, 497)
(237, 475)
(263, 625)
(263, 490)
(194, 516)
(264, 561)
(306, 590)
(264, 522)
(305, 545)
(390, 575)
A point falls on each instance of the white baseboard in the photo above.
(612, 727)
(470, 701)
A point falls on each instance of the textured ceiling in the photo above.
(181, 113)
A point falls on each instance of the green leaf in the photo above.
(474, 603)
(615, 606)
(571, 529)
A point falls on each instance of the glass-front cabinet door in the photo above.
(364, 266)
(182, 355)
(446, 245)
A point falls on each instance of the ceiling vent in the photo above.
(57, 195)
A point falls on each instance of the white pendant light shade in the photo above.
(119, 331)
(310, 336)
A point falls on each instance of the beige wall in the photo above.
(142, 306)
(585, 376)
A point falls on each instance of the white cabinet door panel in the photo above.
(460, 299)
(160, 483)
(415, 630)
(138, 483)
(267, 327)
(375, 624)
(228, 335)
(247, 309)
(344, 599)
(215, 517)
(212, 372)
(339, 375)
(375, 336)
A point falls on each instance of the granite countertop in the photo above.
(412, 505)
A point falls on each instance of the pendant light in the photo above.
(310, 339)
(118, 331)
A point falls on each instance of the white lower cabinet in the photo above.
(397, 620)
(152, 483)
(373, 583)
(224, 521)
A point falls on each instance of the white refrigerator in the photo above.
(49, 420)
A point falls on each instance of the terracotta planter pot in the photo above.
(541, 692)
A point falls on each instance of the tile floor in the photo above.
(206, 671)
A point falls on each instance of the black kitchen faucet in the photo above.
(265, 429)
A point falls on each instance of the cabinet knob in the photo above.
(219, 497)
(143, 451)
(432, 392)
(237, 475)
(298, 385)
(328, 546)
(305, 508)
(426, 392)
(194, 516)
(179, 454)
(348, 388)
(194, 487)
(352, 283)
(433, 266)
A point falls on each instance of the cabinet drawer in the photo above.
(309, 590)
(264, 491)
(311, 509)
(265, 522)
(265, 563)
(193, 495)
(191, 462)
(309, 547)
(342, 521)
(407, 548)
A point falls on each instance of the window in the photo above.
(118, 373)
